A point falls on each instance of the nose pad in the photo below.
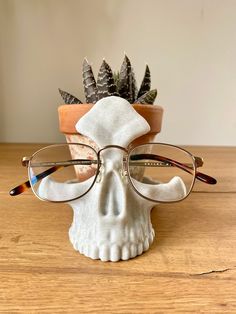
(123, 174)
(100, 174)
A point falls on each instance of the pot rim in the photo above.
(69, 115)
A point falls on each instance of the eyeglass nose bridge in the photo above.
(123, 171)
(112, 146)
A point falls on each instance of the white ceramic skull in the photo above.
(111, 222)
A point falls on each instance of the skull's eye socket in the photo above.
(63, 172)
(160, 172)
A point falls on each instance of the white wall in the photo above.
(190, 46)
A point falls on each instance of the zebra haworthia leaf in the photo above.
(127, 84)
(68, 98)
(90, 87)
(148, 98)
(105, 82)
(146, 83)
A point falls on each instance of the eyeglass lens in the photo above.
(169, 169)
(60, 164)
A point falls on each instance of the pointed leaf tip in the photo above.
(68, 98)
(148, 98)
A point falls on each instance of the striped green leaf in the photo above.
(68, 98)
(127, 84)
(90, 87)
(146, 83)
(105, 82)
(148, 98)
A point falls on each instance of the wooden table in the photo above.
(190, 268)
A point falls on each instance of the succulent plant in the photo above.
(120, 83)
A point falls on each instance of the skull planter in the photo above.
(113, 188)
(112, 221)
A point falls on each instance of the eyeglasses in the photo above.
(156, 171)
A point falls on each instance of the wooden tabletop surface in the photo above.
(190, 267)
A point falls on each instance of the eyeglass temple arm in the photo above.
(26, 185)
(198, 162)
(25, 161)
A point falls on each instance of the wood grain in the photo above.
(190, 268)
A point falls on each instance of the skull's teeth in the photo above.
(146, 245)
(93, 252)
(125, 254)
(113, 252)
(104, 253)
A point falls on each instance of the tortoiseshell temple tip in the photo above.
(20, 189)
(13, 192)
(205, 178)
(213, 181)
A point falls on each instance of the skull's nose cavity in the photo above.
(113, 194)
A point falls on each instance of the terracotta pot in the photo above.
(70, 114)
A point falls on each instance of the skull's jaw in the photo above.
(108, 251)
(112, 230)
(112, 239)
(113, 253)
(118, 228)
